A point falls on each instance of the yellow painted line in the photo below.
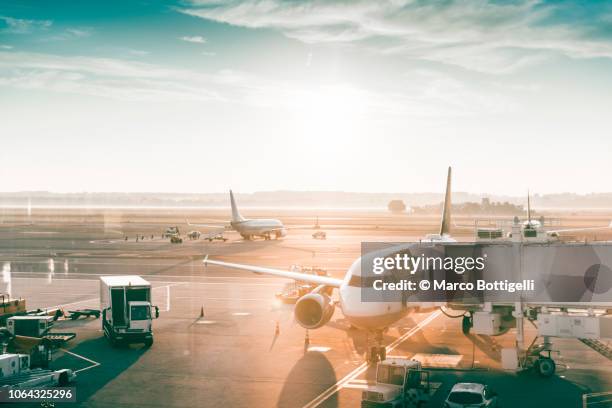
(364, 366)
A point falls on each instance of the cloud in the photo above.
(22, 26)
(105, 77)
(194, 39)
(432, 94)
(70, 34)
(79, 32)
(479, 35)
(6, 47)
(139, 53)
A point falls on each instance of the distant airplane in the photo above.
(535, 228)
(251, 228)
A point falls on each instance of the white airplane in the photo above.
(316, 308)
(251, 228)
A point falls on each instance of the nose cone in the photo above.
(359, 310)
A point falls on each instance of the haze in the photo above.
(201, 96)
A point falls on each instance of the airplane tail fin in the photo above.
(446, 212)
(528, 206)
(236, 217)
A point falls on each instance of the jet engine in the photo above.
(314, 310)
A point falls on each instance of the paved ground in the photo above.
(231, 356)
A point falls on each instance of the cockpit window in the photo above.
(390, 375)
(359, 281)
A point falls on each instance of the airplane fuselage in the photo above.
(266, 228)
(376, 316)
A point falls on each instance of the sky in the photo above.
(206, 95)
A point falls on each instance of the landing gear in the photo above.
(539, 358)
(545, 366)
(382, 353)
(378, 352)
(466, 324)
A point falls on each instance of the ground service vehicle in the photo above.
(320, 235)
(464, 395)
(127, 313)
(15, 371)
(400, 383)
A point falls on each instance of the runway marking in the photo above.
(56, 279)
(356, 386)
(233, 299)
(167, 287)
(241, 314)
(320, 349)
(364, 366)
(62, 306)
(196, 263)
(206, 322)
(186, 277)
(94, 363)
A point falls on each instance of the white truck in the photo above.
(400, 383)
(127, 313)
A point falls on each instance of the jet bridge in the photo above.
(572, 296)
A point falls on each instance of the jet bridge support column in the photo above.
(520, 328)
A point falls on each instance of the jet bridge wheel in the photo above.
(545, 366)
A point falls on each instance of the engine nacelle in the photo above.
(314, 310)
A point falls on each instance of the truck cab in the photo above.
(139, 316)
(400, 382)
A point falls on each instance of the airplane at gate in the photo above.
(316, 308)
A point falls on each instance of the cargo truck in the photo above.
(400, 383)
(127, 313)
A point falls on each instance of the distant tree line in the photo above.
(486, 206)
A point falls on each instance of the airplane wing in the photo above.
(609, 226)
(218, 226)
(464, 226)
(303, 277)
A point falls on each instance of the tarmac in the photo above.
(216, 343)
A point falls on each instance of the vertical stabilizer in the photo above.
(446, 211)
(236, 217)
(528, 207)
